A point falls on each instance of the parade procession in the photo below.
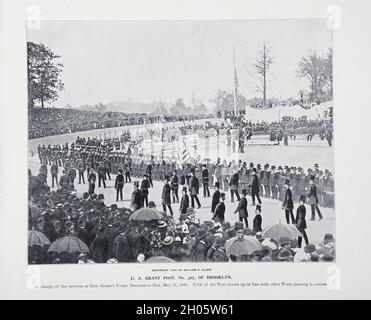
(248, 177)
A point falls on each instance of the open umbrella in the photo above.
(37, 238)
(239, 247)
(159, 259)
(146, 214)
(279, 230)
(68, 245)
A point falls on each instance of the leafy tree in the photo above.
(44, 73)
(224, 101)
(262, 66)
(313, 68)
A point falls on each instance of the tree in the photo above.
(328, 74)
(262, 66)
(179, 108)
(44, 73)
(313, 68)
(224, 101)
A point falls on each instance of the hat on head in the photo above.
(201, 233)
(217, 184)
(328, 257)
(287, 181)
(309, 248)
(248, 232)
(302, 198)
(328, 237)
(284, 240)
(226, 225)
(190, 211)
(178, 239)
(168, 240)
(284, 255)
(266, 259)
(238, 225)
(151, 204)
(162, 224)
(192, 231)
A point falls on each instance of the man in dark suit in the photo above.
(149, 173)
(255, 187)
(216, 197)
(136, 197)
(174, 183)
(166, 196)
(119, 185)
(220, 209)
(184, 202)
(234, 186)
(194, 186)
(145, 185)
(205, 181)
(288, 204)
(301, 223)
(313, 199)
(242, 209)
(54, 173)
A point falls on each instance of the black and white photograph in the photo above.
(181, 141)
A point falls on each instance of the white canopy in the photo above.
(276, 113)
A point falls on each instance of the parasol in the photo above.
(68, 245)
(159, 259)
(239, 247)
(146, 214)
(279, 230)
(37, 238)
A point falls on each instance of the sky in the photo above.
(148, 61)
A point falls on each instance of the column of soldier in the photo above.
(235, 177)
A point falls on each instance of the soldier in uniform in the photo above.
(288, 204)
(54, 173)
(149, 173)
(265, 181)
(136, 197)
(174, 184)
(101, 175)
(242, 209)
(71, 176)
(205, 181)
(273, 183)
(64, 180)
(184, 202)
(166, 196)
(145, 185)
(119, 185)
(107, 168)
(81, 170)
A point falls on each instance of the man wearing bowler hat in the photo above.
(216, 197)
(288, 204)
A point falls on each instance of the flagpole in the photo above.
(235, 84)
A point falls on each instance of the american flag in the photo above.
(183, 154)
(236, 85)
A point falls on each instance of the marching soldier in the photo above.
(145, 185)
(81, 170)
(174, 184)
(54, 173)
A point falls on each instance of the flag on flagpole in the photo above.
(236, 85)
(183, 154)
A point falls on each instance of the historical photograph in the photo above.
(180, 141)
